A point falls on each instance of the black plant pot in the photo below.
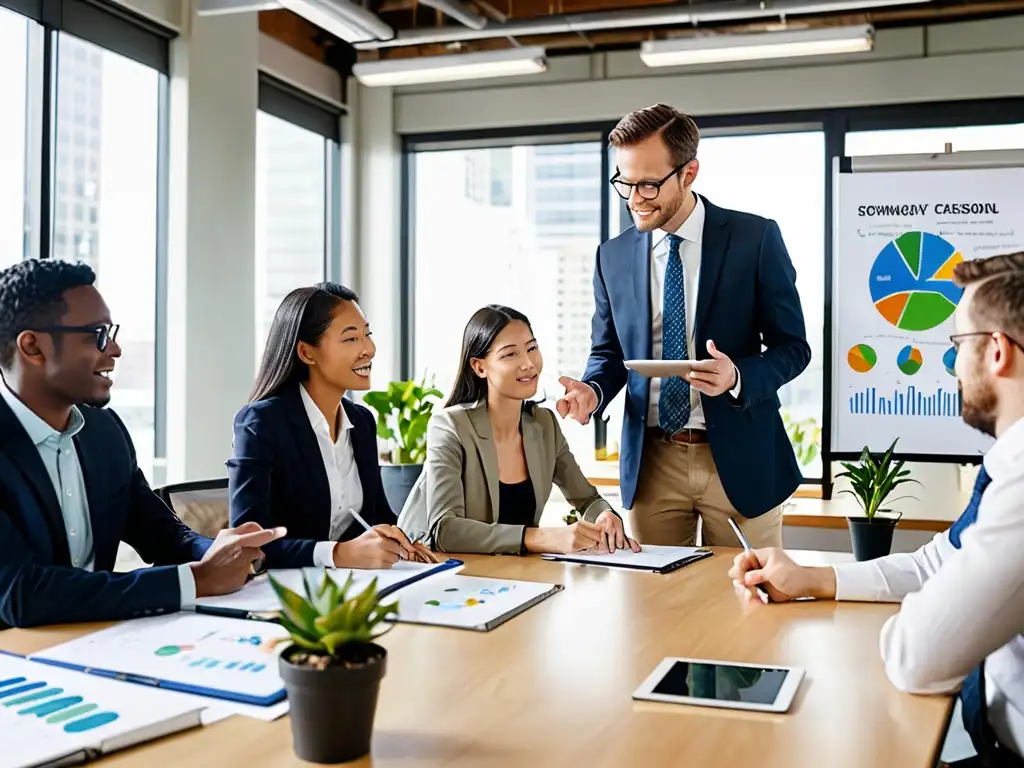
(871, 538)
(332, 709)
(398, 480)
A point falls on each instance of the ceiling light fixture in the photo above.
(344, 19)
(443, 69)
(715, 49)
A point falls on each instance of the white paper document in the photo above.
(52, 716)
(469, 602)
(650, 558)
(259, 597)
(207, 655)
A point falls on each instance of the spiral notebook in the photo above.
(57, 717)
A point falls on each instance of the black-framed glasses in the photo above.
(648, 190)
(956, 338)
(105, 333)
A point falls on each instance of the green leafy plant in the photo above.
(403, 412)
(805, 435)
(873, 479)
(572, 517)
(327, 620)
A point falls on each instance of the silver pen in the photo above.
(748, 548)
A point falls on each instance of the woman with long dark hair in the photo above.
(493, 456)
(305, 456)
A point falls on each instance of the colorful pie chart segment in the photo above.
(911, 281)
(910, 360)
(861, 358)
(949, 361)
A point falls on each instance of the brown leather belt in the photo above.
(683, 436)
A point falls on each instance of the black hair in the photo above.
(304, 315)
(32, 296)
(481, 331)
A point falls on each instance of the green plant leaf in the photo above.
(298, 611)
(301, 638)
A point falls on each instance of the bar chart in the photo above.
(908, 402)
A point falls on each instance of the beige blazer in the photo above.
(454, 505)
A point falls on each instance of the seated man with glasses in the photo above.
(70, 488)
(713, 287)
(961, 622)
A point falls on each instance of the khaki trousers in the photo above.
(679, 484)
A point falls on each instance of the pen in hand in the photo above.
(746, 546)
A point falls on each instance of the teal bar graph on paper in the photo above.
(49, 703)
(910, 402)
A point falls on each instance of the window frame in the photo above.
(118, 30)
(834, 122)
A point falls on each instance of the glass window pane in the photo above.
(20, 47)
(528, 220)
(291, 197)
(743, 173)
(105, 211)
(920, 140)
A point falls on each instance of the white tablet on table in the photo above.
(726, 684)
(663, 369)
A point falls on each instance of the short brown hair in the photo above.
(679, 131)
(999, 298)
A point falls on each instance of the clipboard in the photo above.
(658, 559)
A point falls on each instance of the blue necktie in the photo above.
(674, 399)
(972, 693)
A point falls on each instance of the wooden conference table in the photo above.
(553, 686)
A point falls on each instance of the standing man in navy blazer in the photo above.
(693, 281)
(70, 488)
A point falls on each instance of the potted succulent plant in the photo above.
(403, 412)
(871, 481)
(332, 669)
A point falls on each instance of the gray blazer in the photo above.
(454, 505)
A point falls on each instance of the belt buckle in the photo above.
(676, 437)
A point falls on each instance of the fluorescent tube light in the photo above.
(442, 69)
(714, 49)
(342, 18)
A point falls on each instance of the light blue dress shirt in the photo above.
(60, 457)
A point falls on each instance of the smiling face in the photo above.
(69, 364)
(645, 164)
(343, 355)
(513, 364)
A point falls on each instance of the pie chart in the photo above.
(949, 360)
(861, 358)
(909, 360)
(911, 281)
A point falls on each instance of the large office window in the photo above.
(105, 208)
(84, 91)
(509, 225)
(742, 172)
(920, 140)
(296, 170)
(20, 49)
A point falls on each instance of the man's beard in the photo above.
(979, 410)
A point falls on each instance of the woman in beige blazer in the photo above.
(492, 457)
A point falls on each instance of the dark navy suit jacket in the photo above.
(747, 302)
(38, 584)
(277, 476)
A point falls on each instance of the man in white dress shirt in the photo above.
(963, 593)
(715, 288)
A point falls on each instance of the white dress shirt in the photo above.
(960, 606)
(60, 457)
(691, 232)
(342, 476)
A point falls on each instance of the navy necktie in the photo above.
(674, 399)
(972, 693)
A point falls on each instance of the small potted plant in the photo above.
(871, 481)
(403, 412)
(332, 669)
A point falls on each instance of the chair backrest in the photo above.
(202, 505)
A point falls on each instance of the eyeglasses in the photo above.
(104, 333)
(956, 338)
(648, 190)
